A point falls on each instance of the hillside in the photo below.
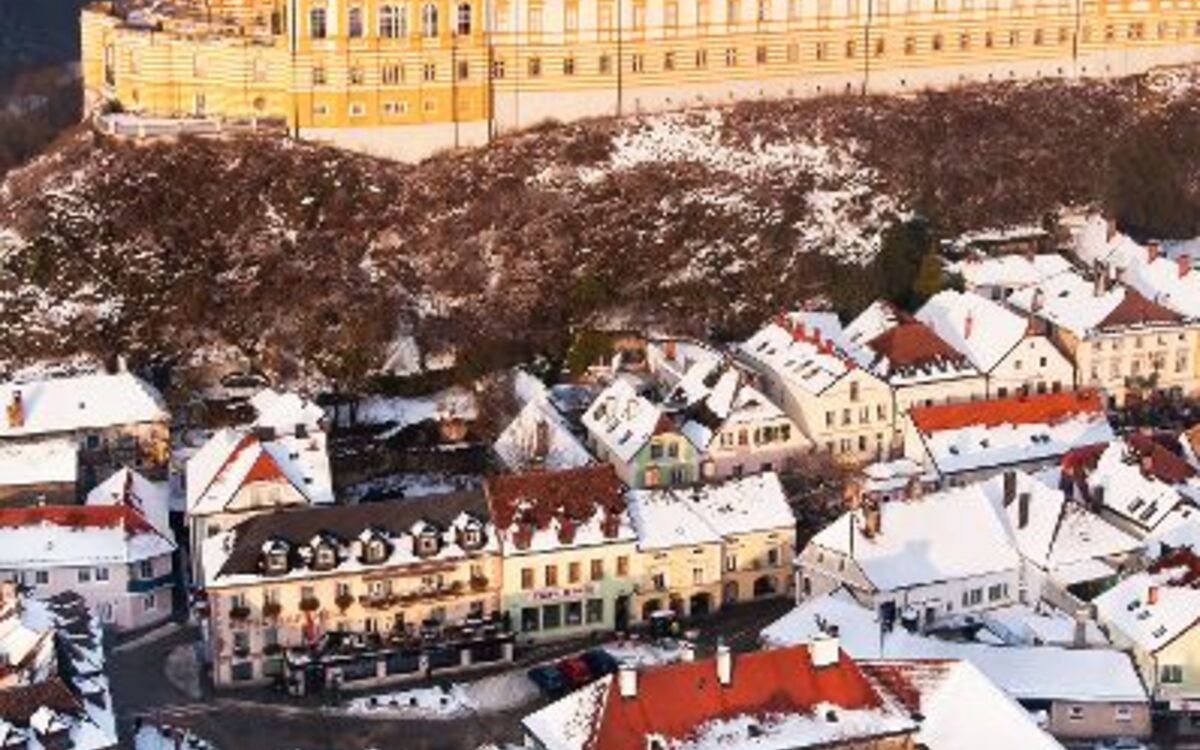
(311, 262)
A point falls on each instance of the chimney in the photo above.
(541, 439)
(1147, 464)
(627, 680)
(1080, 635)
(1152, 596)
(687, 652)
(872, 520)
(724, 665)
(824, 650)
(1023, 510)
(1010, 487)
(669, 349)
(1183, 264)
(16, 411)
(969, 324)
(1151, 251)
(1039, 299)
(1098, 496)
(1110, 232)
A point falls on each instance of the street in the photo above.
(257, 719)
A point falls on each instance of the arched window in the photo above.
(464, 19)
(429, 21)
(393, 22)
(317, 28)
(354, 25)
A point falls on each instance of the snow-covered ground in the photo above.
(416, 703)
(161, 737)
(410, 485)
(847, 205)
(400, 412)
(645, 653)
(500, 692)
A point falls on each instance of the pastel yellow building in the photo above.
(706, 546)
(360, 594)
(406, 77)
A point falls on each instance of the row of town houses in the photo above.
(652, 490)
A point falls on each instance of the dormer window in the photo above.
(276, 557)
(375, 551)
(472, 537)
(427, 543)
(324, 556)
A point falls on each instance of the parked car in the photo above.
(1121, 743)
(600, 662)
(549, 680)
(576, 671)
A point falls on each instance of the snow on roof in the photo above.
(1057, 534)
(1128, 606)
(962, 708)
(233, 458)
(901, 349)
(1171, 283)
(981, 329)
(45, 461)
(664, 520)
(46, 536)
(400, 412)
(1128, 491)
(667, 518)
(567, 723)
(1095, 240)
(82, 402)
(1179, 529)
(127, 487)
(1023, 672)
(887, 476)
(922, 542)
(622, 420)
(807, 350)
(1010, 271)
(1084, 307)
(775, 700)
(284, 411)
(976, 447)
(518, 445)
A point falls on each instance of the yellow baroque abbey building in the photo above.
(404, 78)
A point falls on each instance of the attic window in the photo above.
(325, 556)
(376, 550)
(1159, 632)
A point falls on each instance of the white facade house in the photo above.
(961, 443)
(1014, 353)
(243, 472)
(913, 561)
(808, 368)
(921, 368)
(111, 555)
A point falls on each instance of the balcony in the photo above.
(146, 585)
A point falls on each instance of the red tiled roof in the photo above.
(911, 343)
(1180, 558)
(574, 494)
(76, 516)
(265, 469)
(676, 700)
(19, 703)
(1134, 309)
(1030, 409)
(1161, 462)
(1157, 461)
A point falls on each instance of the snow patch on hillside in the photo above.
(847, 205)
